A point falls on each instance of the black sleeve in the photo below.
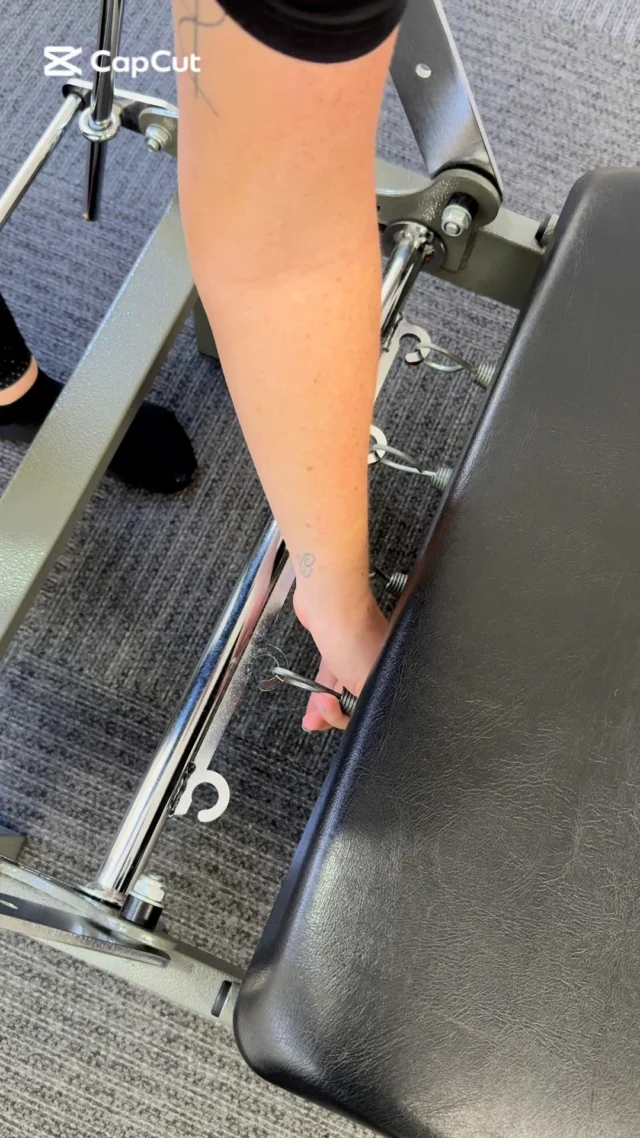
(323, 31)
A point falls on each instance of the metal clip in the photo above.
(391, 347)
(280, 675)
(381, 450)
(483, 373)
(201, 775)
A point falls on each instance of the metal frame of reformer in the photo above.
(497, 255)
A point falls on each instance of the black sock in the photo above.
(155, 453)
(15, 356)
(32, 408)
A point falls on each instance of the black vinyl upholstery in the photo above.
(455, 952)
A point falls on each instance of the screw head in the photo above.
(456, 219)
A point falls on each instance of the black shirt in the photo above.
(324, 31)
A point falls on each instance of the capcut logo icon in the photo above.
(60, 61)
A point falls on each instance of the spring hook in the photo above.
(380, 451)
(483, 373)
(280, 675)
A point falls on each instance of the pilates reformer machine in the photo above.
(467, 885)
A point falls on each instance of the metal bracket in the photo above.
(436, 96)
(45, 922)
(150, 959)
(499, 258)
(135, 111)
(411, 197)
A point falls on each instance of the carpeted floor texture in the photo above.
(99, 666)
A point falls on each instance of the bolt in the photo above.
(456, 219)
(157, 136)
(423, 71)
(148, 888)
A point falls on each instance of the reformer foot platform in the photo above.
(455, 952)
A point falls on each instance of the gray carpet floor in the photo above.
(99, 665)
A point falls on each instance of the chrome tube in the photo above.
(111, 13)
(101, 106)
(94, 179)
(176, 755)
(45, 146)
(411, 245)
(192, 738)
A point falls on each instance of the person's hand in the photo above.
(349, 637)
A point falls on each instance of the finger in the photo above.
(314, 721)
(328, 680)
(329, 708)
(321, 716)
(325, 705)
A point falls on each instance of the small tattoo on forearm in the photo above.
(306, 561)
(195, 23)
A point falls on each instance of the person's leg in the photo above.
(154, 455)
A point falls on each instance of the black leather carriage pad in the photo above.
(455, 952)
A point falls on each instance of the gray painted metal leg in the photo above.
(10, 844)
(204, 335)
(77, 441)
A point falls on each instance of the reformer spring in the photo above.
(483, 373)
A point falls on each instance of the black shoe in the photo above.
(155, 454)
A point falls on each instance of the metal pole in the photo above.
(228, 645)
(101, 106)
(45, 146)
(410, 247)
(226, 653)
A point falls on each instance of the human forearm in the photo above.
(300, 353)
(277, 193)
